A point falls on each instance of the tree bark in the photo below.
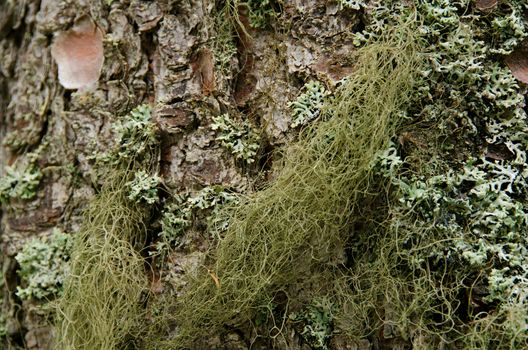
(164, 53)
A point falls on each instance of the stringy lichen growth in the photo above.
(102, 304)
(431, 231)
(282, 234)
(261, 12)
(459, 207)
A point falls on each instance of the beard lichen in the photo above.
(102, 305)
(402, 241)
(282, 234)
(447, 265)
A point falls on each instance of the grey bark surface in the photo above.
(161, 53)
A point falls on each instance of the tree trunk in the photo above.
(178, 57)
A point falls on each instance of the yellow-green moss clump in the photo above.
(415, 236)
(285, 233)
(102, 303)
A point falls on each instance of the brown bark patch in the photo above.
(499, 152)
(79, 55)
(203, 69)
(170, 118)
(336, 67)
(39, 219)
(518, 62)
(146, 14)
(486, 4)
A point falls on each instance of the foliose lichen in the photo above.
(353, 4)
(144, 187)
(19, 183)
(238, 137)
(21, 180)
(308, 105)
(477, 202)
(183, 210)
(317, 319)
(44, 266)
(136, 134)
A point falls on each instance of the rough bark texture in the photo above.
(162, 53)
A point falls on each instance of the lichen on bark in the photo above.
(453, 173)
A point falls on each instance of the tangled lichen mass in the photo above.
(396, 213)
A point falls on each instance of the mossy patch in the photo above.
(399, 239)
(283, 233)
(102, 304)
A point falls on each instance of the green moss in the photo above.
(101, 304)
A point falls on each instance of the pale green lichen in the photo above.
(480, 211)
(44, 266)
(483, 204)
(176, 218)
(22, 179)
(136, 136)
(3, 327)
(101, 306)
(317, 320)
(20, 183)
(508, 27)
(183, 210)
(460, 215)
(144, 187)
(240, 138)
(308, 105)
(352, 4)
(441, 235)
